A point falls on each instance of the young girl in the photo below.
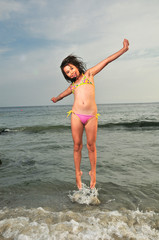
(84, 111)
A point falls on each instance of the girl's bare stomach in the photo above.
(85, 107)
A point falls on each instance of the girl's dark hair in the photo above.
(77, 62)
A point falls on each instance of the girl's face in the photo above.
(71, 71)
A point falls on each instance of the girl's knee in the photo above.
(91, 147)
(78, 147)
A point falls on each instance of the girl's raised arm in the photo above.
(97, 68)
(62, 95)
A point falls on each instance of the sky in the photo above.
(36, 35)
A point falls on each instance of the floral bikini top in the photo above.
(84, 81)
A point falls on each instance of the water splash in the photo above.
(85, 196)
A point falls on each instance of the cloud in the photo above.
(37, 34)
(7, 8)
(4, 50)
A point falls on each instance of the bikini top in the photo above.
(84, 81)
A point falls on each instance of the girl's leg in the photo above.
(77, 133)
(91, 133)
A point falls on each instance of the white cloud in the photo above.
(92, 31)
(4, 50)
(8, 7)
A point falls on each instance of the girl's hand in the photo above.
(126, 44)
(54, 99)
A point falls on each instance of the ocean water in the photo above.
(39, 199)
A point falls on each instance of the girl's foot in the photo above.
(93, 179)
(78, 180)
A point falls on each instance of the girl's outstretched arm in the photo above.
(62, 95)
(97, 68)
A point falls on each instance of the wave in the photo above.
(131, 125)
(34, 129)
(40, 223)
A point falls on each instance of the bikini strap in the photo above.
(69, 112)
(73, 87)
(97, 115)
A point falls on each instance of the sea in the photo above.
(39, 199)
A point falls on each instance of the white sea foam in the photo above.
(40, 224)
(85, 196)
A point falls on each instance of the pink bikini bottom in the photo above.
(83, 117)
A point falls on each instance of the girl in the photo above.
(84, 110)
